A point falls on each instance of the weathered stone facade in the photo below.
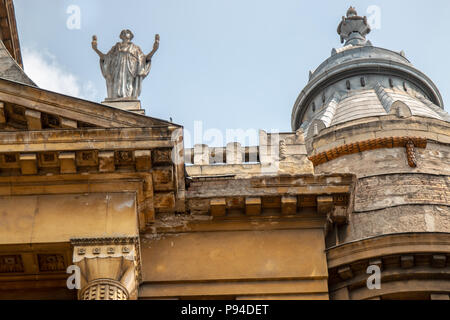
(388, 127)
(363, 180)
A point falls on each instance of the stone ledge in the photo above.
(379, 127)
(371, 144)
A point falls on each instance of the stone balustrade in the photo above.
(273, 147)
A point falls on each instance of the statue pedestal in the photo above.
(128, 105)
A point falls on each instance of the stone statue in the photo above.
(124, 67)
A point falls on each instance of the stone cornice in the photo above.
(353, 133)
(409, 262)
(101, 115)
(388, 244)
(84, 139)
(206, 187)
(280, 196)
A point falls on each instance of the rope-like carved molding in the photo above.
(411, 154)
(366, 145)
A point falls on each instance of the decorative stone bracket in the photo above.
(110, 267)
(411, 154)
(336, 214)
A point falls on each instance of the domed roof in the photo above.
(352, 54)
(372, 102)
(360, 80)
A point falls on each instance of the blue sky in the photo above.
(231, 64)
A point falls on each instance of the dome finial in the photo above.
(353, 29)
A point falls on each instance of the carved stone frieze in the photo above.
(51, 262)
(11, 263)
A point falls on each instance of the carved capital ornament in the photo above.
(110, 267)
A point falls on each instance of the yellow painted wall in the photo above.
(58, 218)
(236, 263)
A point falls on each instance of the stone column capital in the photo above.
(110, 267)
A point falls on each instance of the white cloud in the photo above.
(44, 69)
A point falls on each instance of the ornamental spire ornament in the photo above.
(353, 29)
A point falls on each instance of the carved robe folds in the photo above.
(124, 68)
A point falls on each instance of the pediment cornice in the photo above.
(66, 109)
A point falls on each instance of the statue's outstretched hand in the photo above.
(155, 48)
(94, 42)
(94, 46)
(156, 43)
